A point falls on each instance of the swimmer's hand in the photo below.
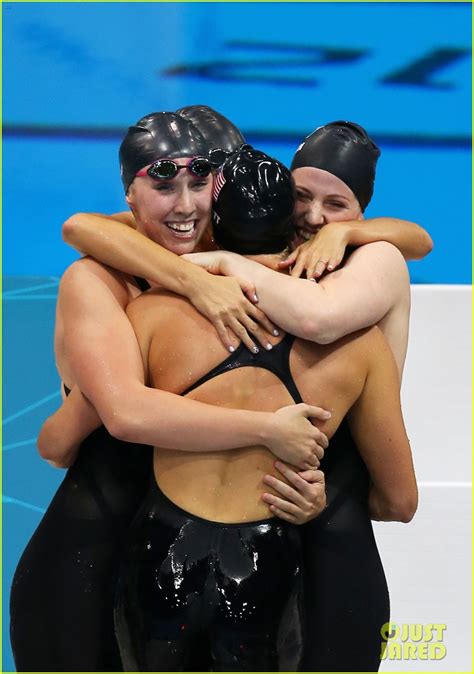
(225, 303)
(294, 439)
(302, 500)
(324, 252)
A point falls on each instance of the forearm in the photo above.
(121, 247)
(302, 307)
(372, 282)
(412, 241)
(63, 432)
(145, 415)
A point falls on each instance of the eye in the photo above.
(163, 187)
(302, 196)
(336, 204)
(200, 184)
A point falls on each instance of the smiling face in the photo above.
(173, 213)
(321, 197)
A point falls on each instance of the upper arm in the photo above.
(99, 341)
(377, 425)
(361, 293)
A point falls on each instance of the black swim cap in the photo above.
(155, 136)
(218, 131)
(345, 150)
(254, 200)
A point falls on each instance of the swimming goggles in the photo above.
(167, 169)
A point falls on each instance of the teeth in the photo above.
(181, 226)
(304, 235)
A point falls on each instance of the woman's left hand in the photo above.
(303, 499)
(323, 252)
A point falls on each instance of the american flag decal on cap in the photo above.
(219, 183)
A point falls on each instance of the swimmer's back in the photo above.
(180, 347)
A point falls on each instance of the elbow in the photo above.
(51, 455)
(121, 425)
(318, 331)
(427, 245)
(70, 229)
(405, 509)
(44, 445)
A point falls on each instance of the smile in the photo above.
(307, 234)
(182, 229)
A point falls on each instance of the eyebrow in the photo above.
(337, 196)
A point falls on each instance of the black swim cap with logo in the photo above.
(345, 150)
(155, 136)
(254, 199)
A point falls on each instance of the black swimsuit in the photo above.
(61, 602)
(199, 595)
(345, 593)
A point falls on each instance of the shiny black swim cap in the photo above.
(155, 136)
(345, 150)
(218, 131)
(254, 200)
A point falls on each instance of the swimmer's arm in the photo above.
(325, 251)
(106, 364)
(89, 232)
(412, 241)
(378, 430)
(62, 433)
(224, 302)
(372, 281)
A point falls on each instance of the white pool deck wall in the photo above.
(428, 561)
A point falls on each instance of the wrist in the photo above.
(265, 430)
(346, 231)
(191, 280)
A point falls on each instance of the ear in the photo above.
(360, 216)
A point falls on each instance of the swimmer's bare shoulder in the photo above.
(171, 332)
(88, 289)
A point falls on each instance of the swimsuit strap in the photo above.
(277, 361)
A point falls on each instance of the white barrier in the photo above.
(428, 562)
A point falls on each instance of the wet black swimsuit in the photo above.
(345, 593)
(64, 582)
(346, 596)
(63, 589)
(196, 595)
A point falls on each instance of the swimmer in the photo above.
(63, 588)
(207, 583)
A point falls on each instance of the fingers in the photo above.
(245, 327)
(259, 316)
(230, 341)
(240, 331)
(302, 481)
(248, 289)
(299, 266)
(313, 412)
(316, 268)
(288, 492)
(313, 476)
(302, 499)
(291, 259)
(279, 505)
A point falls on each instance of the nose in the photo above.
(184, 202)
(314, 214)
